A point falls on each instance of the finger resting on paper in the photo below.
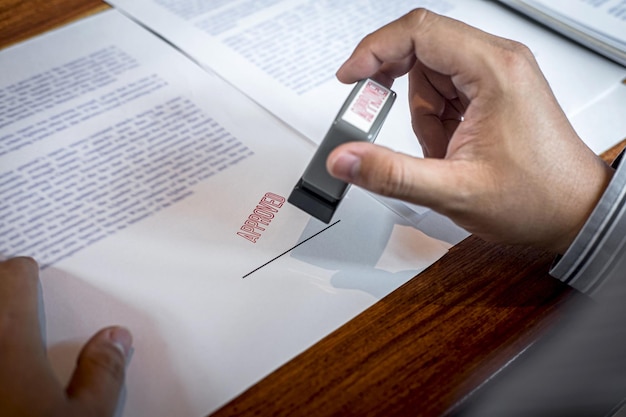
(19, 306)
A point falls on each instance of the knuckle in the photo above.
(512, 64)
(520, 49)
(417, 19)
(516, 56)
(417, 16)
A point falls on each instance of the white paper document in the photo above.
(153, 195)
(606, 18)
(284, 53)
(603, 122)
(597, 24)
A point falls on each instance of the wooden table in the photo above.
(423, 349)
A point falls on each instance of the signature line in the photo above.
(289, 250)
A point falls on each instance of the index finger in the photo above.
(20, 327)
(445, 45)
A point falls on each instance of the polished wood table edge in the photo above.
(610, 154)
(21, 20)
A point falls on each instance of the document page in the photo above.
(153, 195)
(284, 53)
(603, 121)
(604, 17)
(598, 24)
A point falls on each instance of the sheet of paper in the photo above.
(597, 24)
(284, 53)
(603, 18)
(152, 193)
(603, 122)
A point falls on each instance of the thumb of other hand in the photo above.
(97, 381)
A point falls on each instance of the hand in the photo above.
(28, 386)
(502, 160)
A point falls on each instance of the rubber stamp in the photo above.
(359, 119)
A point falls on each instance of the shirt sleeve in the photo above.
(597, 254)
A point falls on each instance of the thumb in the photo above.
(99, 375)
(383, 171)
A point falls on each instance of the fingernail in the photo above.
(121, 338)
(345, 166)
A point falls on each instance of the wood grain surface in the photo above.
(22, 19)
(421, 350)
